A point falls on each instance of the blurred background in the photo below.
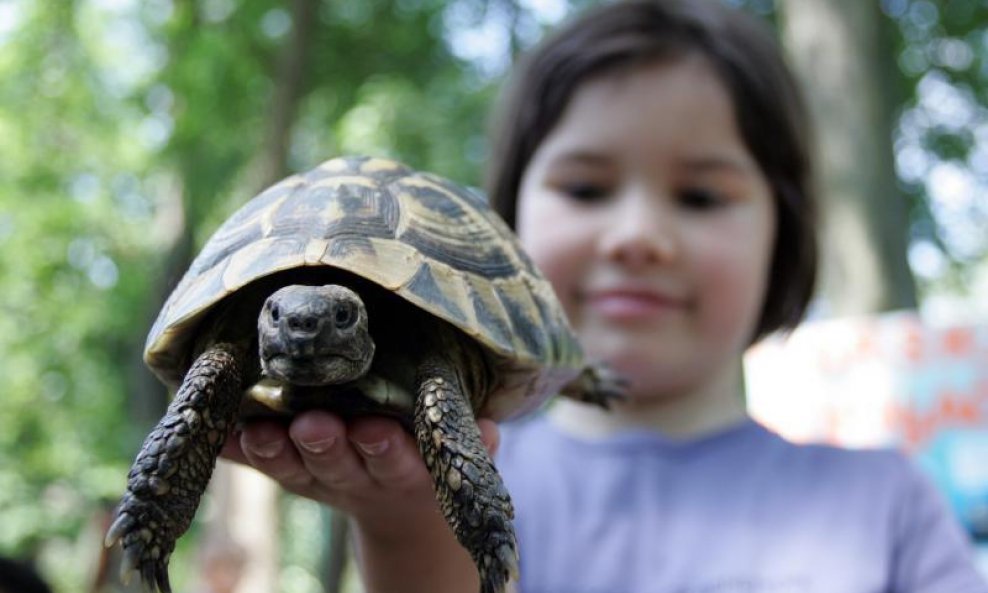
(129, 129)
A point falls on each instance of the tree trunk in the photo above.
(289, 87)
(250, 513)
(841, 51)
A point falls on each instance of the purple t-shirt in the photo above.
(739, 511)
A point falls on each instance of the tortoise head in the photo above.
(314, 335)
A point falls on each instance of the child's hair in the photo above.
(767, 104)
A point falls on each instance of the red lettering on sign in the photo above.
(952, 410)
(913, 345)
(958, 342)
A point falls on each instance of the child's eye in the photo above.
(584, 192)
(696, 198)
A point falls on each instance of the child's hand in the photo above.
(372, 470)
(354, 468)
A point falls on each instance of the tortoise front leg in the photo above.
(174, 466)
(473, 498)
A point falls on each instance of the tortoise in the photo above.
(363, 287)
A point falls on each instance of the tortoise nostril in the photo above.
(304, 324)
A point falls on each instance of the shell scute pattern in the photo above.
(345, 215)
(260, 258)
(390, 264)
(446, 228)
(448, 297)
(491, 315)
(248, 224)
(520, 310)
(430, 241)
(493, 225)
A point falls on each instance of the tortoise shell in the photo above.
(432, 242)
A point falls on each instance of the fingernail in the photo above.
(318, 446)
(268, 450)
(373, 449)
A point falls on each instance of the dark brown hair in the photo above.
(767, 105)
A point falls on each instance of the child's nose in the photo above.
(642, 231)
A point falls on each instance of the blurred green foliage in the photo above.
(129, 130)
(942, 139)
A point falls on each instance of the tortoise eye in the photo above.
(275, 313)
(345, 315)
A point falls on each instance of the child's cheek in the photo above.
(731, 298)
(562, 274)
(558, 250)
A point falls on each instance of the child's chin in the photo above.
(650, 378)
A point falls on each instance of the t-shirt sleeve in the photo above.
(932, 554)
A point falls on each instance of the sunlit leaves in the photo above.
(943, 136)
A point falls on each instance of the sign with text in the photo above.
(885, 380)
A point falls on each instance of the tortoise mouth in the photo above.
(316, 369)
(308, 358)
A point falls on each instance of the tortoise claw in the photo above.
(121, 525)
(128, 566)
(509, 558)
(598, 384)
(144, 552)
(496, 567)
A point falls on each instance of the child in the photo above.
(652, 157)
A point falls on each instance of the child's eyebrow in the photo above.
(581, 156)
(720, 163)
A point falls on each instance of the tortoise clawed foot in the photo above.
(496, 567)
(145, 551)
(598, 384)
(121, 525)
(471, 493)
(492, 546)
(174, 465)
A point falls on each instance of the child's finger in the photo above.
(267, 447)
(321, 441)
(390, 454)
(232, 450)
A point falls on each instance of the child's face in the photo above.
(654, 224)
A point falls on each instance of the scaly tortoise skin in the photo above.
(360, 286)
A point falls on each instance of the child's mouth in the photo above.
(630, 304)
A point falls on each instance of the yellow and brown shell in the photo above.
(434, 243)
